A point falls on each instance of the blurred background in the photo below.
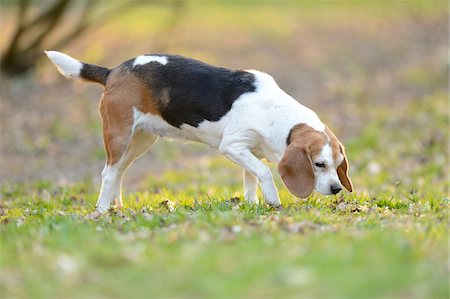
(376, 72)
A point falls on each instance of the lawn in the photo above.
(376, 73)
(190, 235)
(211, 245)
(174, 244)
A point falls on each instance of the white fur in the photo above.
(66, 65)
(255, 128)
(250, 187)
(206, 132)
(326, 177)
(110, 188)
(144, 59)
(112, 176)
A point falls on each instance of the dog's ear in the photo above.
(342, 171)
(296, 171)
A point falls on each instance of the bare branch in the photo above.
(84, 21)
(47, 15)
(21, 15)
(23, 8)
(54, 16)
(32, 32)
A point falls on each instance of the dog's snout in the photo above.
(335, 189)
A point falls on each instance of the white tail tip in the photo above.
(68, 66)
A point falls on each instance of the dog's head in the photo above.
(314, 160)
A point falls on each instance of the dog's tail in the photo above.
(72, 68)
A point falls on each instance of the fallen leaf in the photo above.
(93, 216)
(168, 205)
(302, 227)
(235, 200)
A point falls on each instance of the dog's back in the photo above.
(243, 114)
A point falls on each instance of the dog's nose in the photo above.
(335, 189)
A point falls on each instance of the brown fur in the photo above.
(296, 167)
(296, 171)
(123, 91)
(342, 169)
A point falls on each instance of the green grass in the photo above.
(350, 246)
(388, 239)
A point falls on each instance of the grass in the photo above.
(189, 236)
(350, 246)
(374, 72)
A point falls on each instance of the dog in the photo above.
(244, 115)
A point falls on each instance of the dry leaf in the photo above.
(168, 205)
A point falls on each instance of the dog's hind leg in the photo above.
(112, 175)
(124, 143)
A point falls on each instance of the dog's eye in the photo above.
(320, 164)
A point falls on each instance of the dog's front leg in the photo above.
(243, 157)
(250, 187)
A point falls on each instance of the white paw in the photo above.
(251, 200)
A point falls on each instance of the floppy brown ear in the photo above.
(296, 171)
(342, 171)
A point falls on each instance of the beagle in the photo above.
(245, 115)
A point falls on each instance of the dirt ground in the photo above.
(350, 72)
